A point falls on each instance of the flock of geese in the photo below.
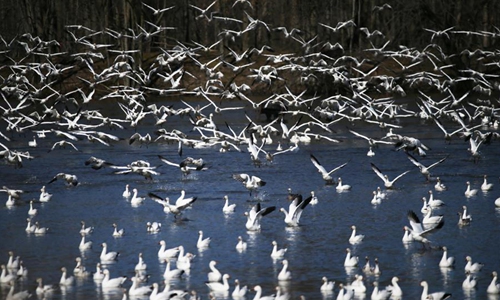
(51, 94)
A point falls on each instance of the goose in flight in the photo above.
(255, 215)
(176, 209)
(417, 230)
(251, 183)
(387, 183)
(70, 179)
(295, 209)
(325, 174)
(184, 165)
(423, 169)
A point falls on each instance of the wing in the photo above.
(156, 197)
(163, 159)
(318, 165)
(240, 177)
(415, 222)
(413, 160)
(337, 168)
(186, 203)
(378, 172)
(437, 163)
(266, 211)
(399, 176)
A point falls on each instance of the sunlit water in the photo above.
(315, 249)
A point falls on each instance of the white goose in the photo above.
(84, 245)
(42, 290)
(345, 293)
(493, 287)
(14, 261)
(126, 193)
(327, 286)
(66, 280)
(218, 286)
(355, 238)
(439, 186)
(486, 186)
(228, 208)
(202, 243)
(429, 219)
(325, 174)
(112, 282)
(44, 195)
(39, 229)
(395, 289)
(5, 277)
(214, 274)
(472, 267)
(378, 294)
(164, 253)
(239, 291)
(469, 282)
(255, 215)
(436, 295)
(470, 192)
(153, 227)
(79, 270)
(141, 265)
(375, 199)
(434, 202)
(358, 285)
(30, 228)
(136, 290)
(284, 274)
(170, 273)
(387, 183)
(99, 273)
(32, 211)
(136, 200)
(251, 183)
(85, 230)
(314, 199)
(295, 209)
(258, 294)
(417, 230)
(342, 187)
(106, 256)
(277, 253)
(11, 202)
(466, 215)
(241, 245)
(118, 232)
(350, 261)
(446, 262)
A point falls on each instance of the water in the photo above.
(315, 249)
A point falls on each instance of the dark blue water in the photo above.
(315, 249)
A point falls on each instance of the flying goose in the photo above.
(326, 175)
(387, 183)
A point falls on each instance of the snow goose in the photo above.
(136, 200)
(375, 199)
(32, 211)
(218, 286)
(417, 230)
(396, 292)
(44, 290)
(434, 202)
(277, 253)
(378, 294)
(350, 261)
(164, 253)
(327, 286)
(446, 262)
(153, 227)
(13, 262)
(11, 202)
(472, 267)
(126, 193)
(258, 294)
(342, 187)
(69, 178)
(314, 199)
(170, 208)
(370, 152)
(44, 195)
(79, 270)
(345, 293)
(284, 274)
(470, 192)
(255, 215)
(429, 219)
(295, 209)
(228, 208)
(170, 273)
(184, 259)
(16, 296)
(5, 277)
(108, 282)
(66, 280)
(30, 228)
(251, 183)
(387, 183)
(85, 230)
(486, 186)
(214, 274)
(84, 245)
(469, 282)
(202, 243)
(423, 169)
(381, 194)
(439, 186)
(141, 265)
(497, 202)
(118, 232)
(436, 295)
(355, 238)
(22, 271)
(325, 174)
(106, 256)
(358, 285)
(376, 270)
(39, 229)
(136, 290)
(239, 291)
(99, 273)
(493, 287)
(241, 245)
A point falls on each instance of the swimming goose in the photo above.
(417, 231)
(66, 280)
(277, 253)
(30, 228)
(99, 273)
(255, 215)
(43, 290)
(342, 187)
(472, 267)
(470, 192)
(112, 282)
(486, 186)
(493, 287)
(350, 261)
(165, 253)
(218, 286)
(11, 202)
(228, 208)
(241, 245)
(184, 260)
(381, 194)
(214, 274)
(470, 282)
(69, 178)
(85, 230)
(314, 199)
(295, 209)
(136, 200)
(153, 227)
(84, 245)
(446, 262)
(376, 270)
(118, 232)
(327, 286)
(141, 265)
(434, 202)
(436, 295)
(13, 262)
(387, 183)
(39, 229)
(44, 195)
(239, 291)
(6, 277)
(16, 296)
(429, 219)
(345, 293)
(258, 294)
(170, 273)
(326, 175)
(22, 271)
(202, 242)
(32, 211)
(251, 183)
(375, 200)
(136, 290)
(357, 285)
(79, 270)
(378, 294)
(284, 274)
(106, 256)
(425, 207)
(439, 186)
(396, 292)
(355, 239)
(126, 193)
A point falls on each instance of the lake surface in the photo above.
(315, 249)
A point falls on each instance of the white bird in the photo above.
(141, 265)
(472, 267)
(446, 262)
(218, 286)
(164, 253)
(251, 183)
(10, 201)
(214, 274)
(469, 282)
(295, 210)
(378, 294)
(136, 290)
(99, 273)
(255, 215)
(39, 229)
(258, 294)
(486, 186)
(65, 279)
(43, 290)
(387, 183)
(358, 286)
(32, 211)
(434, 202)
(176, 209)
(345, 293)
(126, 193)
(423, 169)
(241, 245)
(493, 287)
(6, 277)
(284, 274)
(118, 232)
(342, 187)
(430, 219)
(184, 260)
(396, 292)
(106, 256)
(277, 253)
(327, 286)
(108, 282)
(439, 186)
(44, 195)
(350, 261)
(470, 192)
(30, 228)
(79, 270)
(325, 174)
(202, 242)
(354, 238)
(16, 296)
(153, 227)
(170, 273)
(314, 199)
(239, 291)
(85, 230)
(69, 178)
(228, 208)
(84, 245)
(466, 217)
(375, 199)
(436, 295)
(136, 200)
(417, 231)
